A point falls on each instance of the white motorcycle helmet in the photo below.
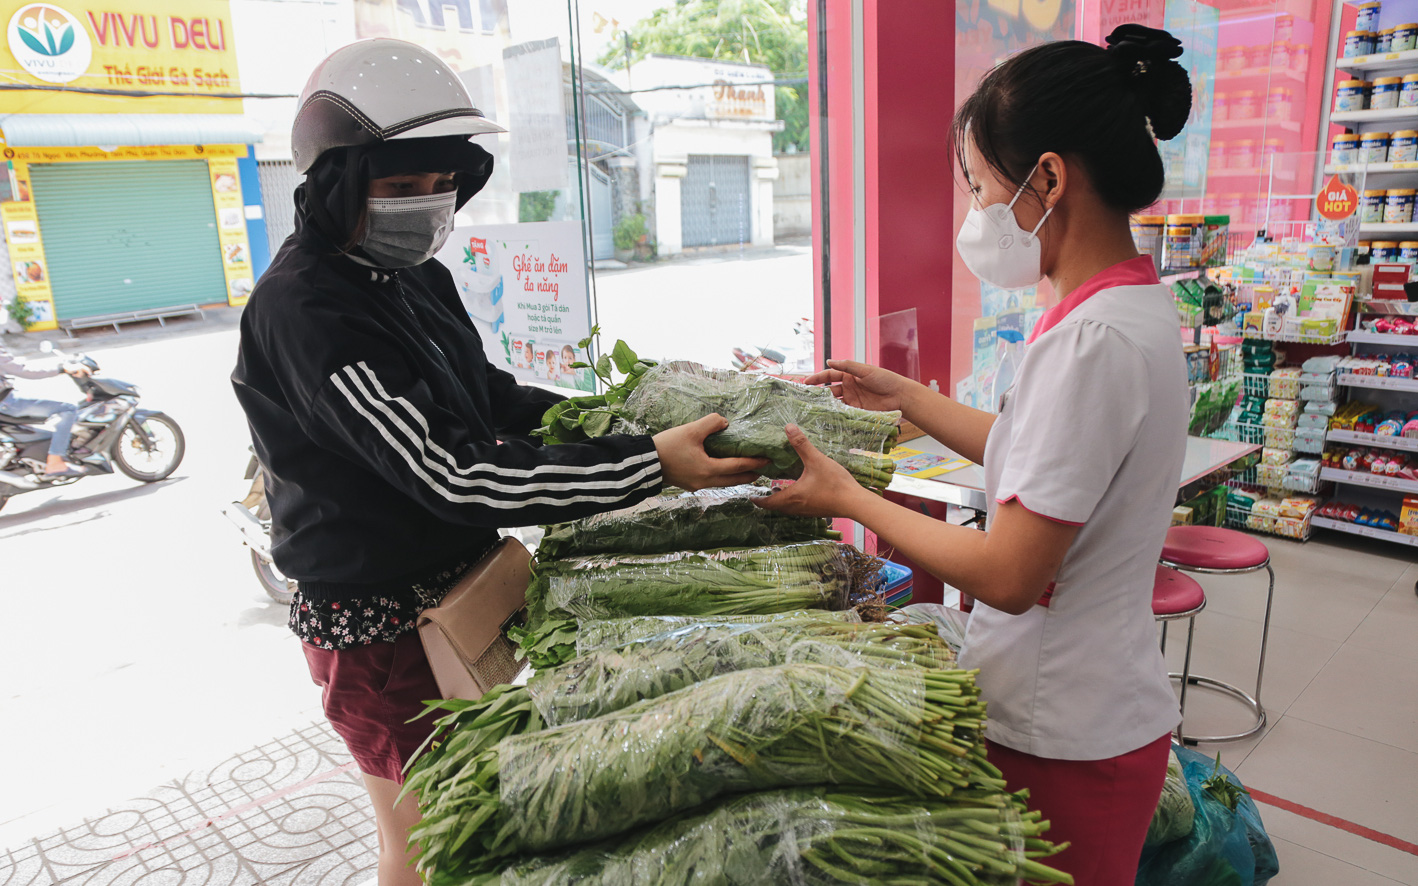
(377, 90)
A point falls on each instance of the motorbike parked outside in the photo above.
(111, 431)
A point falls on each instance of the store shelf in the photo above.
(1408, 444)
(1367, 531)
(1379, 382)
(1383, 228)
(1336, 339)
(1371, 168)
(1359, 336)
(1382, 115)
(1256, 123)
(1266, 73)
(1285, 175)
(1387, 61)
(1362, 478)
(1388, 306)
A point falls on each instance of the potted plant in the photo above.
(630, 231)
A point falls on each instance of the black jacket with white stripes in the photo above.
(392, 447)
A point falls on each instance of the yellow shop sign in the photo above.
(182, 49)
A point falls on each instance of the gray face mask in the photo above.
(405, 231)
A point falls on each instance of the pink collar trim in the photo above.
(1133, 272)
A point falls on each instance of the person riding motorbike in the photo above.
(393, 449)
(56, 465)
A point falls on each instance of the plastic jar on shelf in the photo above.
(1233, 58)
(1383, 41)
(1368, 19)
(1281, 99)
(1383, 252)
(1244, 105)
(1185, 241)
(1372, 207)
(1403, 147)
(1258, 56)
(1373, 147)
(1398, 207)
(1280, 54)
(1353, 95)
(1357, 43)
(1243, 154)
(1385, 93)
(1408, 252)
(1344, 149)
(1405, 38)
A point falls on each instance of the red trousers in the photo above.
(1101, 807)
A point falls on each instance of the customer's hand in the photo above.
(685, 464)
(825, 489)
(865, 387)
(78, 370)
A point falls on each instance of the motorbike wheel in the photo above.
(276, 585)
(134, 458)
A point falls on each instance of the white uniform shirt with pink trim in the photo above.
(1093, 433)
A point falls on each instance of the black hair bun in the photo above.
(1147, 56)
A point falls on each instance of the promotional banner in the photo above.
(1185, 157)
(536, 115)
(27, 260)
(231, 229)
(524, 286)
(182, 46)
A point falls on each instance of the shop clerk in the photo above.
(1082, 462)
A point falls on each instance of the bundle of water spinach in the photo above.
(818, 837)
(912, 730)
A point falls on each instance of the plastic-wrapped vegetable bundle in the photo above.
(758, 408)
(731, 581)
(690, 523)
(611, 678)
(1175, 810)
(916, 731)
(814, 837)
(560, 640)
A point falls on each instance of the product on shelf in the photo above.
(1385, 93)
(1241, 154)
(1408, 517)
(1359, 43)
(1356, 416)
(1383, 41)
(1392, 325)
(1403, 148)
(1373, 147)
(1381, 251)
(1408, 252)
(1244, 105)
(1369, 460)
(1368, 19)
(1353, 95)
(1408, 95)
(1398, 209)
(1372, 211)
(1405, 38)
(1285, 383)
(1380, 365)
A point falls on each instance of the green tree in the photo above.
(762, 32)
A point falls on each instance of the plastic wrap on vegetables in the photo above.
(731, 581)
(609, 679)
(915, 731)
(813, 837)
(689, 523)
(758, 408)
(1175, 810)
(558, 641)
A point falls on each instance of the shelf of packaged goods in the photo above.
(1286, 175)
(1359, 336)
(1257, 123)
(1298, 338)
(1265, 73)
(1389, 306)
(1367, 531)
(1385, 61)
(1408, 444)
(1362, 478)
(1372, 168)
(1381, 115)
(1379, 382)
(1385, 228)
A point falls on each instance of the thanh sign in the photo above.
(182, 46)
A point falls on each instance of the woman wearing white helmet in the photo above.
(394, 450)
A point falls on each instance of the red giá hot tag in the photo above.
(1336, 201)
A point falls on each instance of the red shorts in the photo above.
(1102, 807)
(370, 694)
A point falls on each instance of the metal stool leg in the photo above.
(1265, 631)
(1164, 638)
(1186, 671)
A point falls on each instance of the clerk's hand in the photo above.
(863, 386)
(825, 488)
(685, 464)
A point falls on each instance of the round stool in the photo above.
(1211, 550)
(1174, 596)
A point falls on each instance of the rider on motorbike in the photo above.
(23, 407)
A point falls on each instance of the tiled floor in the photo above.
(1341, 688)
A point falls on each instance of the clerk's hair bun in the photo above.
(1100, 109)
(1147, 57)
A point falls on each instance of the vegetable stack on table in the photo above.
(706, 708)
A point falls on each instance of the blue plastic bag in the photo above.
(1224, 848)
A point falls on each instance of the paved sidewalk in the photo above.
(292, 812)
(215, 319)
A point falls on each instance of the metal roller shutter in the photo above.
(128, 236)
(715, 201)
(278, 183)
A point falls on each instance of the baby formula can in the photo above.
(1404, 146)
(1353, 95)
(1408, 252)
(1398, 207)
(1382, 251)
(1405, 37)
(1358, 43)
(1368, 17)
(1385, 94)
(1344, 149)
(1373, 147)
(1372, 207)
(1383, 41)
